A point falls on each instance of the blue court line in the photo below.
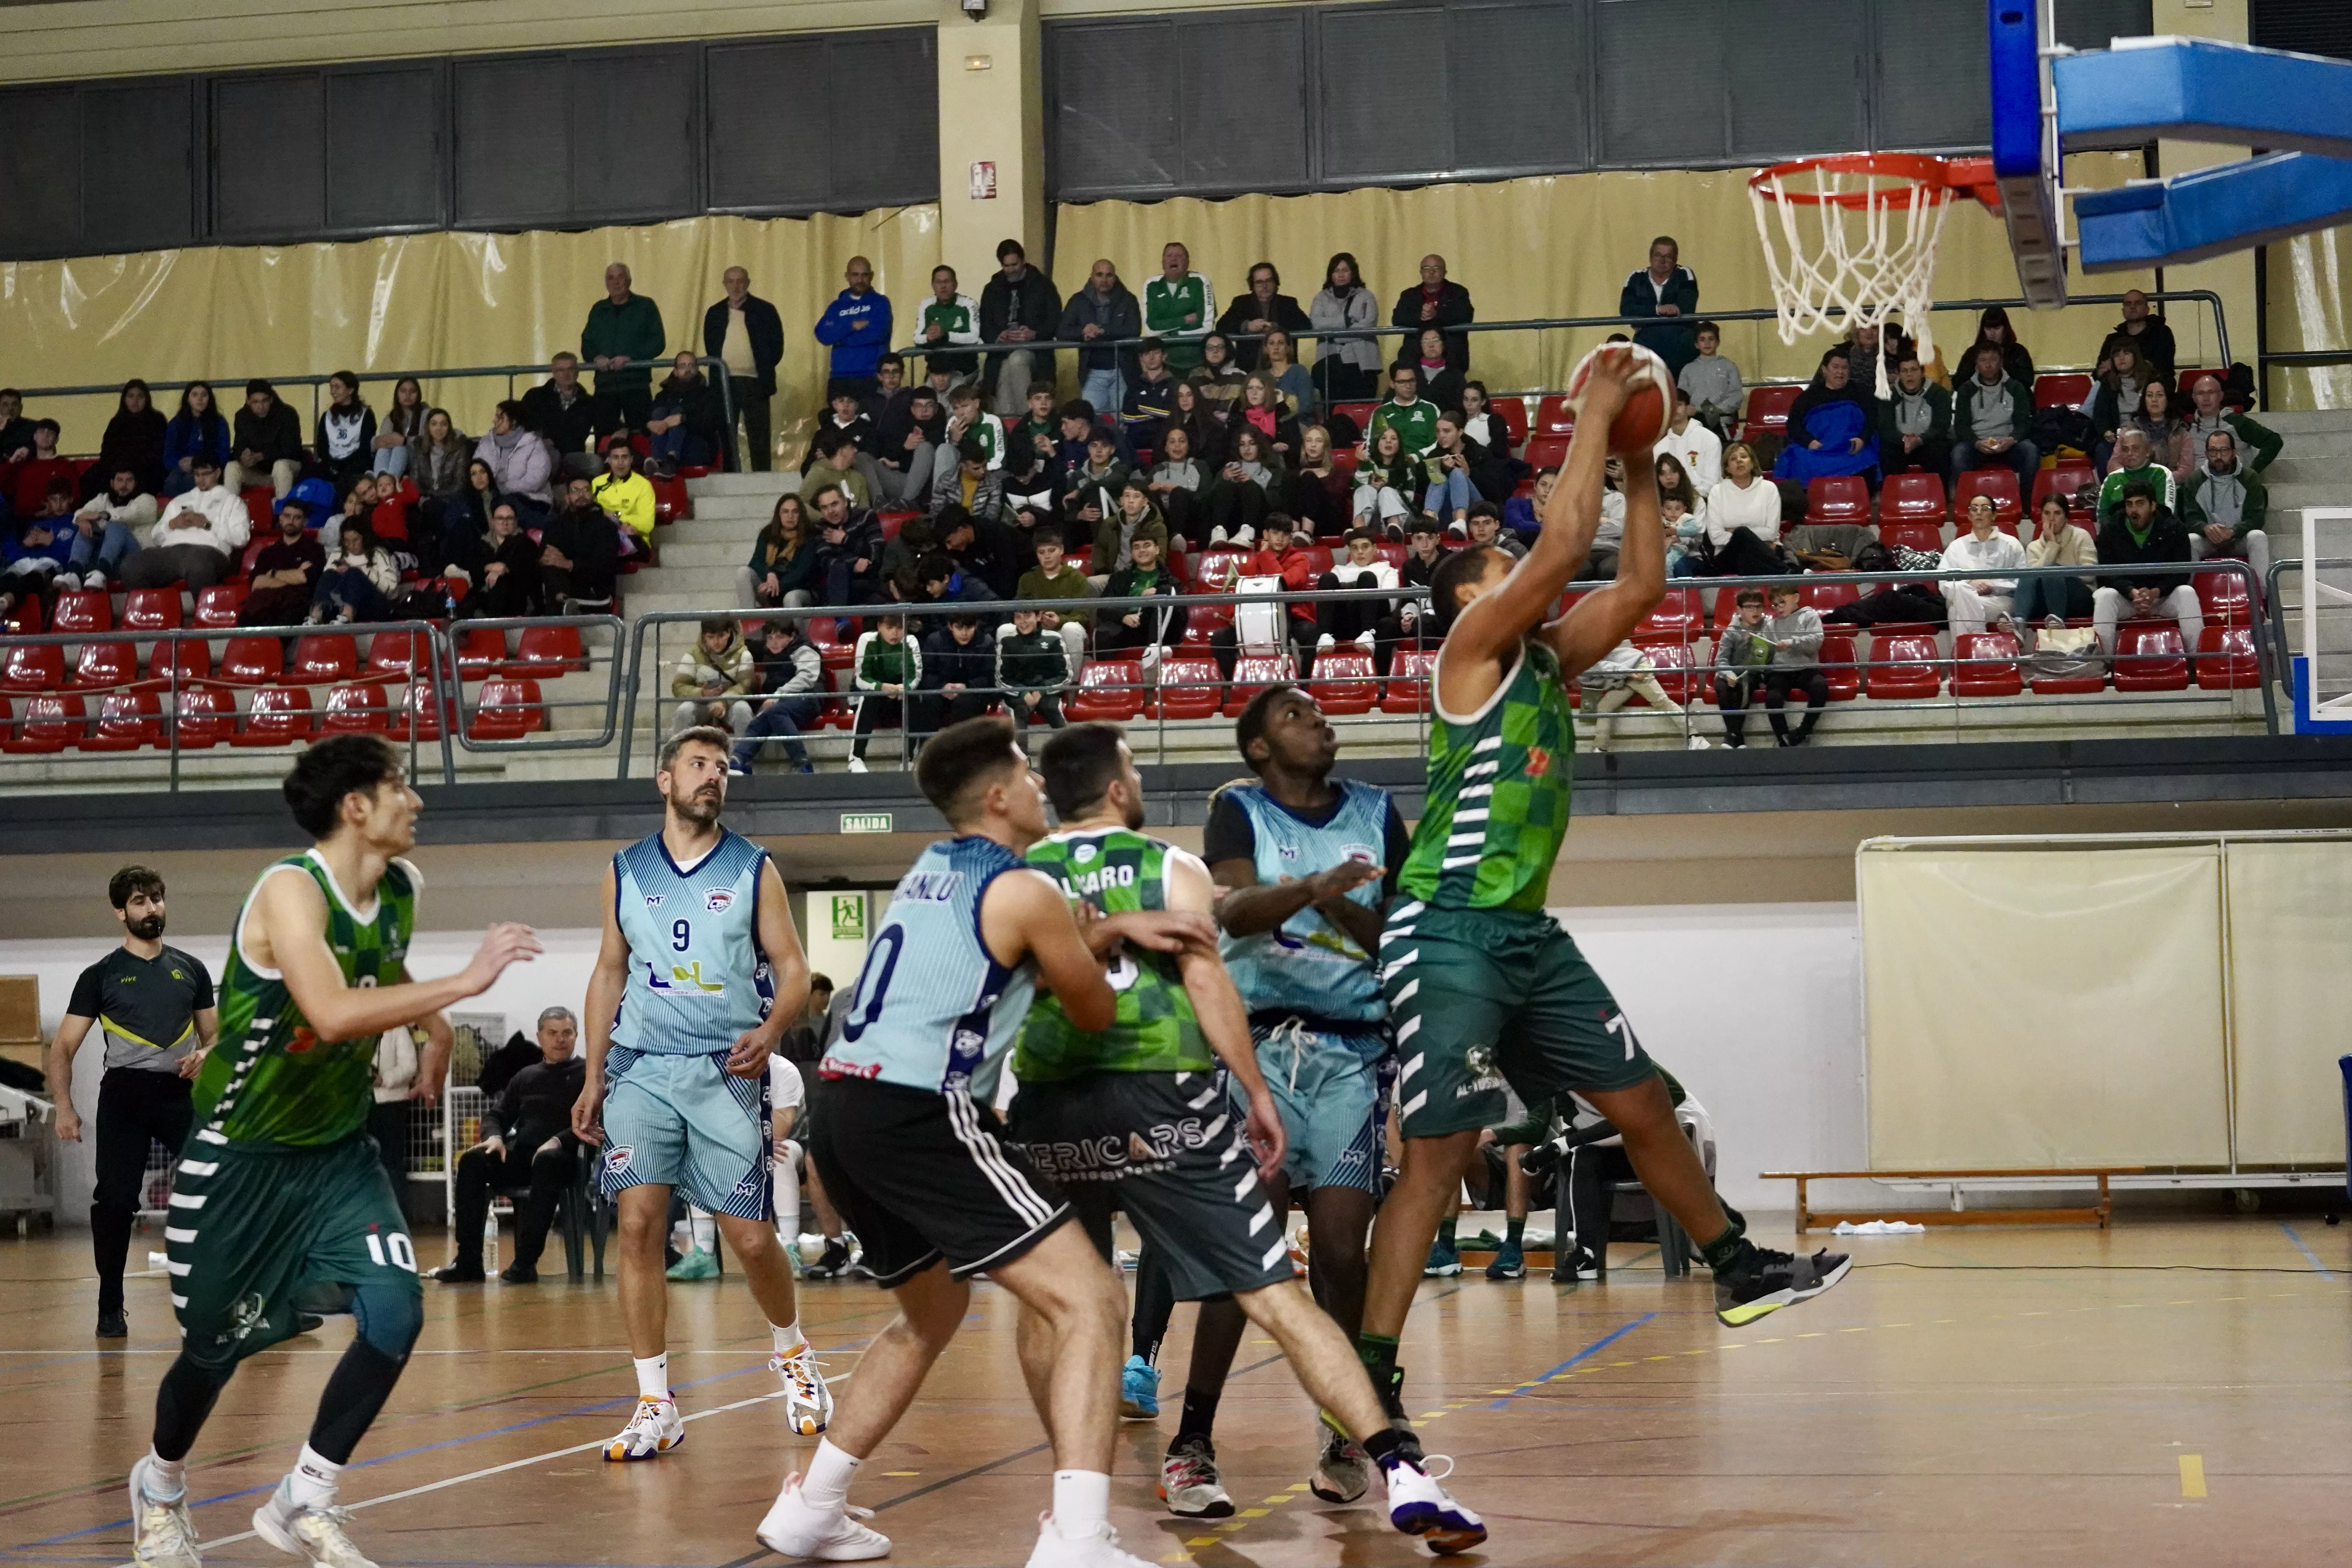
(1606, 1340)
(2323, 1272)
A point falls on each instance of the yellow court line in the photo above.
(2192, 1475)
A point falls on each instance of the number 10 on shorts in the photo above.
(403, 1255)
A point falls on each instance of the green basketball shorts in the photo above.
(255, 1235)
(1484, 1002)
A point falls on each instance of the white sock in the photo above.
(1081, 1501)
(788, 1337)
(826, 1484)
(167, 1479)
(699, 1227)
(653, 1375)
(312, 1482)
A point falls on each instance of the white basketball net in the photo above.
(1838, 265)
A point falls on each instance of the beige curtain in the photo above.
(2308, 310)
(2290, 927)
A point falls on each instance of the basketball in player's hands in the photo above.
(1649, 406)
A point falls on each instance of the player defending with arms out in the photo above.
(1484, 989)
(282, 1202)
(699, 971)
(912, 1155)
(1133, 1115)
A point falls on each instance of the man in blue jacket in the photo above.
(1667, 289)
(856, 328)
(744, 332)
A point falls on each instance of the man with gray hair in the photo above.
(526, 1142)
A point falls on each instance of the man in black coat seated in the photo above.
(579, 554)
(1264, 308)
(526, 1141)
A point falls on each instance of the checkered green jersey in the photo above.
(1498, 794)
(273, 1080)
(1118, 872)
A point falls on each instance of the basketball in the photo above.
(1649, 406)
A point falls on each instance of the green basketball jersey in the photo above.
(1498, 794)
(274, 1080)
(1118, 872)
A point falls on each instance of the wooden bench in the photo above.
(2098, 1213)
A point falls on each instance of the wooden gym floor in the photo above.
(2047, 1396)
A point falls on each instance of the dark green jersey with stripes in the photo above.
(1118, 871)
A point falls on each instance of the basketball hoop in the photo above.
(1853, 238)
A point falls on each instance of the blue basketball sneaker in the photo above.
(1139, 1391)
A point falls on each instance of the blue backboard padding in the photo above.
(2202, 91)
(2212, 212)
(2016, 87)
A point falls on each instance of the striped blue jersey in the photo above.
(697, 977)
(1308, 965)
(933, 1008)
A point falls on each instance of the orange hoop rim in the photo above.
(1932, 180)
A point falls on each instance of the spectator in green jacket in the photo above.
(2225, 504)
(1992, 419)
(622, 327)
(1915, 424)
(1178, 305)
(888, 665)
(2258, 444)
(2136, 459)
(1414, 417)
(1033, 668)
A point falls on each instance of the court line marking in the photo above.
(2324, 1272)
(1606, 1340)
(2192, 1475)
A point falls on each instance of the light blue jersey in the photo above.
(933, 1008)
(697, 976)
(1308, 966)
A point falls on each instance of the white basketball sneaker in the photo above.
(793, 1527)
(1418, 1506)
(653, 1429)
(163, 1535)
(313, 1534)
(808, 1402)
(1097, 1548)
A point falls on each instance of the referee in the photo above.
(153, 1005)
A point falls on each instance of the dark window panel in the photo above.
(1521, 87)
(1242, 106)
(1662, 94)
(269, 155)
(886, 88)
(1935, 83)
(633, 133)
(514, 142)
(770, 143)
(41, 170)
(1114, 108)
(2308, 26)
(1796, 84)
(2094, 24)
(1384, 112)
(383, 148)
(139, 166)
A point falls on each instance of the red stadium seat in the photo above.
(1768, 411)
(1344, 680)
(151, 610)
(1409, 678)
(481, 651)
(1253, 673)
(1553, 415)
(1676, 616)
(1108, 688)
(2060, 391)
(216, 606)
(280, 716)
(208, 716)
(1912, 498)
(1826, 594)
(2075, 481)
(1677, 669)
(1838, 663)
(189, 659)
(394, 655)
(82, 610)
(2226, 659)
(672, 501)
(128, 720)
(252, 661)
(1361, 413)
(1917, 535)
(322, 659)
(359, 709)
(1843, 498)
(104, 665)
(1901, 667)
(825, 632)
(2224, 595)
(546, 652)
(1218, 570)
(24, 618)
(1998, 483)
(260, 505)
(507, 710)
(1547, 452)
(1513, 413)
(420, 717)
(1188, 688)
(1987, 665)
(2150, 656)
(33, 667)
(53, 721)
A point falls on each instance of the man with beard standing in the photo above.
(154, 1007)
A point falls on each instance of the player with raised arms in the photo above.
(699, 971)
(282, 1203)
(913, 1157)
(1485, 988)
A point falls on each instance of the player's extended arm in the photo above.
(432, 1062)
(290, 919)
(787, 973)
(1247, 907)
(605, 983)
(1225, 1022)
(1606, 616)
(1023, 914)
(70, 1033)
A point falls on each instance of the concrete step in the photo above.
(2331, 443)
(2297, 421)
(756, 509)
(735, 530)
(681, 579)
(769, 484)
(704, 550)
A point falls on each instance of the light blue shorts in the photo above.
(685, 1122)
(1327, 1090)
